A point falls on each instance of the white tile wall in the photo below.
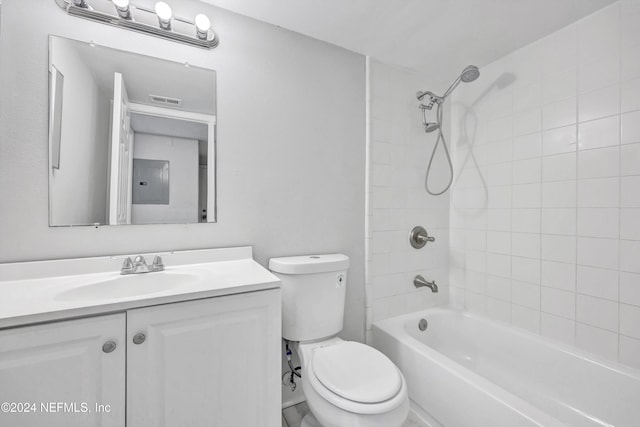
(630, 127)
(398, 152)
(545, 226)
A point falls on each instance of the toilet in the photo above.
(346, 383)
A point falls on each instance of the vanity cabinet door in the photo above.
(54, 375)
(211, 362)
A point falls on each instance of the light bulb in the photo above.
(203, 24)
(81, 3)
(164, 13)
(122, 7)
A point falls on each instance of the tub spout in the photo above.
(420, 281)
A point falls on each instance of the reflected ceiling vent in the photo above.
(165, 100)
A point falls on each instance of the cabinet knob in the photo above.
(139, 338)
(109, 346)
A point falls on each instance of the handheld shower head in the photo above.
(430, 127)
(470, 73)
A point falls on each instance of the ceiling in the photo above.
(145, 75)
(436, 36)
(166, 126)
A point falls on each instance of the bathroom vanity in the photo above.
(197, 344)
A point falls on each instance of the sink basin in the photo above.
(128, 286)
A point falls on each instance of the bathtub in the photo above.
(467, 371)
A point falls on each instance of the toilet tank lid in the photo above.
(308, 264)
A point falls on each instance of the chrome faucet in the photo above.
(139, 265)
(420, 281)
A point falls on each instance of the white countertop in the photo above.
(36, 292)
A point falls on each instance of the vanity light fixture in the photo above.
(202, 26)
(140, 18)
(165, 14)
(122, 7)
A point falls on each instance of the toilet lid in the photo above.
(356, 372)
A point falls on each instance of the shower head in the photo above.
(470, 73)
(430, 127)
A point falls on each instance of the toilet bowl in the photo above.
(345, 383)
(351, 384)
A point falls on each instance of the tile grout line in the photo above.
(577, 175)
(619, 176)
(542, 85)
(368, 196)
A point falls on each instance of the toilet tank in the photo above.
(313, 292)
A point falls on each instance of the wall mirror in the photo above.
(131, 138)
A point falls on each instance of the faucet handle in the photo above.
(127, 266)
(157, 264)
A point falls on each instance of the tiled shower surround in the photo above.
(545, 211)
(397, 154)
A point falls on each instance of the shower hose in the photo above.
(441, 139)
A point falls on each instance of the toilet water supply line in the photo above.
(294, 371)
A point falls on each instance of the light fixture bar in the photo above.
(89, 13)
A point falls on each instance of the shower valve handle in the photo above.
(424, 238)
(419, 237)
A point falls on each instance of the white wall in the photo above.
(398, 157)
(182, 155)
(78, 188)
(290, 143)
(552, 243)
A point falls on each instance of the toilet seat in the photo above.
(342, 374)
(356, 372)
